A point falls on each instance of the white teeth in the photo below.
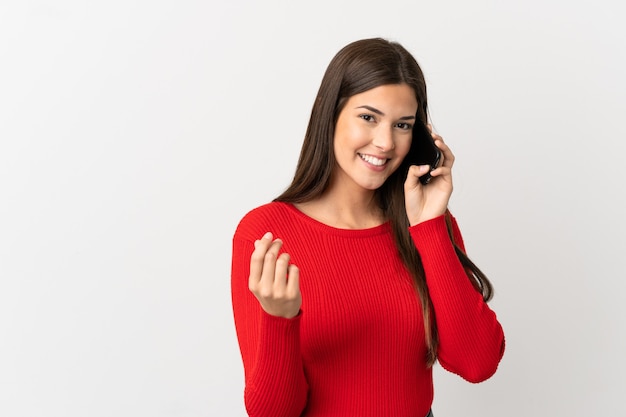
(373, 160)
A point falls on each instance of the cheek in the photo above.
(402, 149)
(351, 134)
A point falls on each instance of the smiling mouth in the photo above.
(373, 160)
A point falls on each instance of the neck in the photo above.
(346, 209)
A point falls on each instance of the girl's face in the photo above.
(373, 135)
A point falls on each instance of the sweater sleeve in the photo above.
(275, 385)
(471, 340)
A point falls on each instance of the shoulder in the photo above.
(262, 219)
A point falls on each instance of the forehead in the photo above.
(390, 96)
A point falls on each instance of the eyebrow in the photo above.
(380, 113)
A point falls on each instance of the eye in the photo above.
(367, 117)
(404, 126)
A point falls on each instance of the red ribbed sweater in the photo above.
(357, 347)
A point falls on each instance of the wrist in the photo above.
(424, 217)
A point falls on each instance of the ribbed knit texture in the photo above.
(357, 347)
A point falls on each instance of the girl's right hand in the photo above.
(430, 201)
(273, 281)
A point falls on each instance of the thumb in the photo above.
(414, 174)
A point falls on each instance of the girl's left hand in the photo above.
(425, 202)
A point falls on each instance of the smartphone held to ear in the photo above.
(423, 150)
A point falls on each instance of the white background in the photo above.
(134, 135)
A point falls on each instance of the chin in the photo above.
(373, 186)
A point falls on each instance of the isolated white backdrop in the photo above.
(134, 135)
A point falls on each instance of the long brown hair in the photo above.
(358, 67)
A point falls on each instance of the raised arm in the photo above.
(471, 340)
(270, 345)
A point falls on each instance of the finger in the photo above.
(437, 138)
(257, 259)
(269, 263)
(448, 156)
(280, 274)
(413, 175)
(293, 283)
(441, 172)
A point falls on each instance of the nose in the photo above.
(384, 140)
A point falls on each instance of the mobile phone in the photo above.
(423, 150)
